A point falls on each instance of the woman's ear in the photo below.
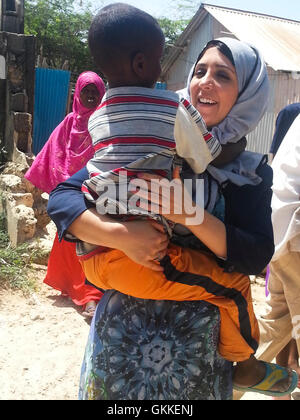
(138, 64)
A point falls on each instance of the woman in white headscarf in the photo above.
(147, 349)
(281, 320)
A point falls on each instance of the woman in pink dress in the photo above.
(67, 150)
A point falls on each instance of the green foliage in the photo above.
(172, 30)
(173, 27)
(61, 32)
(187, 8)
(15, 263)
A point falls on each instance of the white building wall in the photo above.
(284, 89)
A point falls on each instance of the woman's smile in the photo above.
(214, 87)
(206, 102)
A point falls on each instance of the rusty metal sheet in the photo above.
(278, 39)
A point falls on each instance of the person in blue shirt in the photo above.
(284, 120)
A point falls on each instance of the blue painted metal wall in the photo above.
(50, 101)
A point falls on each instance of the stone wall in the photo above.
(12, 16)
(22, 204)
(17, 103)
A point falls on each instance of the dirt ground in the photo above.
(42, 341)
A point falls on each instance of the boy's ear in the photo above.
(138, 64)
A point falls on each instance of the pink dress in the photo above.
(67, 151)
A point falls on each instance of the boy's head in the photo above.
(127, 45)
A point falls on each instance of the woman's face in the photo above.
(214, 87)
(90, 96)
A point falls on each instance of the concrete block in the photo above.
(21, 223)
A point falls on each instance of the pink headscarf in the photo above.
(69, 147)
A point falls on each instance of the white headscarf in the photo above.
(253, 96)
(245, 114)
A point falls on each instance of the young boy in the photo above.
(137, 128)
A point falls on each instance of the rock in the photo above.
(24, 199)
(12, 184)
(260, 281)
(21, 223)
(37, 317)
(34, 300)
(23, 205)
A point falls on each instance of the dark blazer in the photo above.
(248, 222)
(284, 120)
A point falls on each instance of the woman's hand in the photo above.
(144, 242)
(210, 230)
(169, 202)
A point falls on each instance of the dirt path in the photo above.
(42, 341)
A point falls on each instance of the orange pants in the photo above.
(188, 275)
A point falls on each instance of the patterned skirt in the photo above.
(154, 350)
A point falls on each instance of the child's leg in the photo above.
(263, 377)
(231, 292)
(188, 275)
(191, 275)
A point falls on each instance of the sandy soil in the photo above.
(42, 344)
(42, 341)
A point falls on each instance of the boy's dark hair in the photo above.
(118, 32)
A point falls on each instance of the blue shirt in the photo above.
(284, 120)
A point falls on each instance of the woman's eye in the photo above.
(199, 72)
(223, 75)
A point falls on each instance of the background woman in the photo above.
(279, 324)
(68, 149)
(145, 349)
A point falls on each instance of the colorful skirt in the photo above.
(154, 350)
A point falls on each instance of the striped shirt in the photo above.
(140, 130)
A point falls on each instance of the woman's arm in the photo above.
(244, 243)
(141, 241)
(211, 231)
(249, 230)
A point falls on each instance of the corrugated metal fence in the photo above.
(284, 91)
(50, 101)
